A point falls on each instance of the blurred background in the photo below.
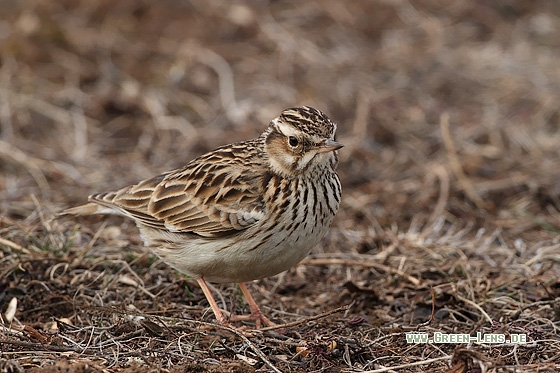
(449, 110)
(96, 95)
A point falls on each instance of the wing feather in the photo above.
(215, 195)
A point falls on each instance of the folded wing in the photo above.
(209, 197)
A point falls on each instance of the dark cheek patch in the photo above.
(275, 144)
(273, 138)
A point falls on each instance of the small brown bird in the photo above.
(242, 212)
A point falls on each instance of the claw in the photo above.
(256, 313)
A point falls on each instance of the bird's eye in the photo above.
(293, 141)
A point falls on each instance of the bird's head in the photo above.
(299, 140)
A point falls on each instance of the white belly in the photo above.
(240, 259)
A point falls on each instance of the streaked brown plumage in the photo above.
(243, 211)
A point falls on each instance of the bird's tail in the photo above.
(87, 209)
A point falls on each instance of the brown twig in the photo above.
(14, 246)
(534, 304)
(306, 320)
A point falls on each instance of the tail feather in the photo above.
(88, 209)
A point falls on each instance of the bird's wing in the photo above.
(213, 196)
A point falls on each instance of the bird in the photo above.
(242, 212)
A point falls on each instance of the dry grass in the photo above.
(451, 175)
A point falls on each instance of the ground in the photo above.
(450, 116)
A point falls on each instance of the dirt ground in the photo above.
(450, 116)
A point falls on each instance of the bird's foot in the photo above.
(259, 318)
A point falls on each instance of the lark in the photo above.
(241, 212)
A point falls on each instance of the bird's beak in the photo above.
(329, 146)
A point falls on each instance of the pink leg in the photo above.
(217, 312)
(256, 312)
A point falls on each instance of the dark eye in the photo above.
(293, 141)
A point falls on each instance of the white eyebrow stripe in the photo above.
(288, 130)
